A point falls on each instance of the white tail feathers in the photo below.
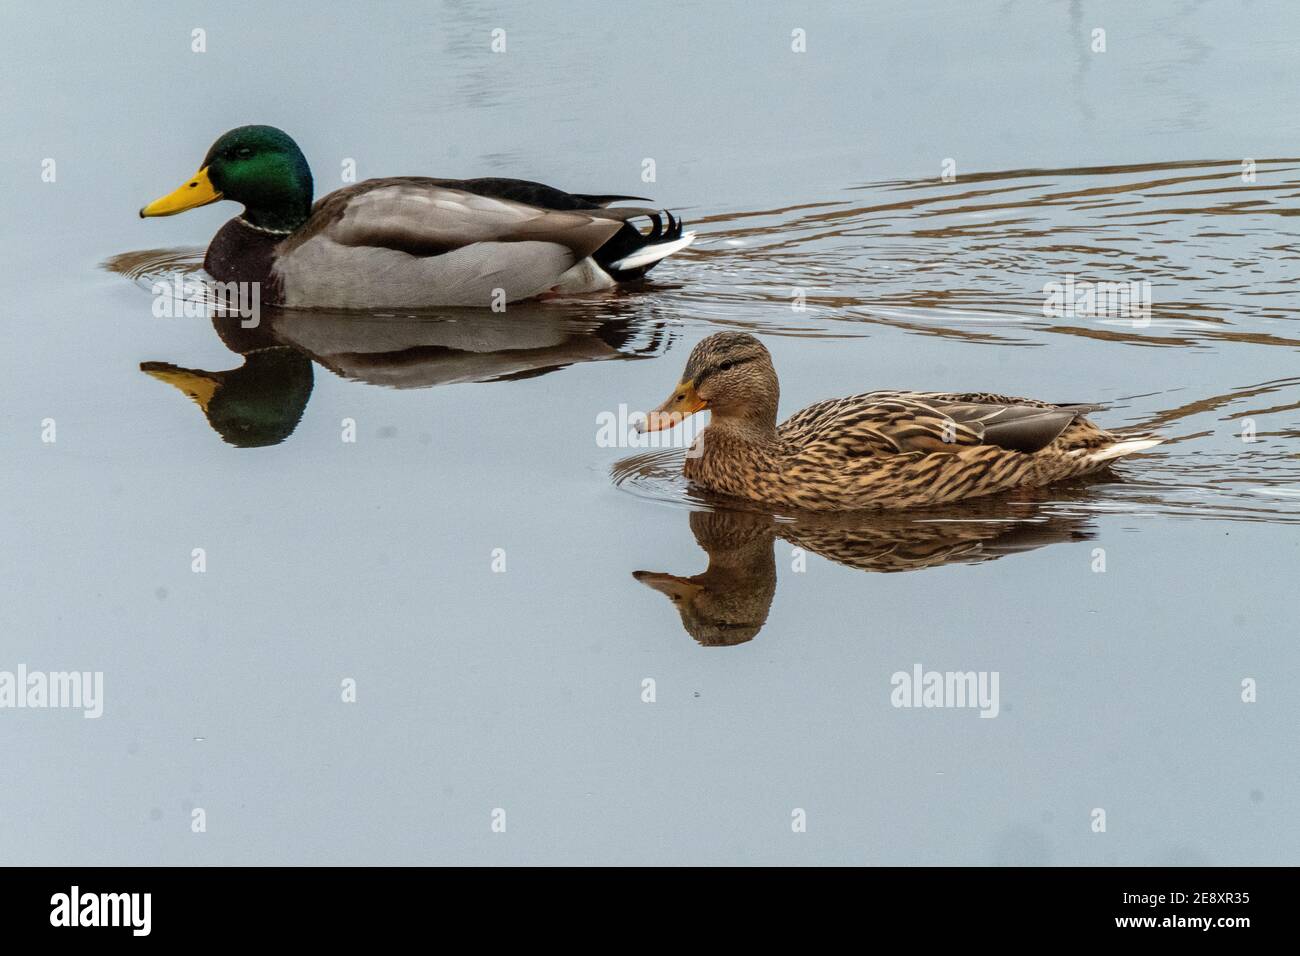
(1126, 446)
(653, 253)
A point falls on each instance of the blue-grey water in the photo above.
(816, 182)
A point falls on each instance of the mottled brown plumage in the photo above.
(888, 449)
(728, 603)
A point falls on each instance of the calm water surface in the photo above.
(813, 178)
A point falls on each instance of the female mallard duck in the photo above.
(882, 449)
(408, 241)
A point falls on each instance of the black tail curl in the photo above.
(629, 239)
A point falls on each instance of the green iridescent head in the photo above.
(259, 166)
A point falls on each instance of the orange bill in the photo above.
(681, 405)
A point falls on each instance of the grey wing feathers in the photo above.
(1027, 429)
(422, 218)
(1017, 424)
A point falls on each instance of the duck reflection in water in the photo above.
(728, 602)
(257, 404)
(261, 402)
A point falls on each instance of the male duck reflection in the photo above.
(728, 602)
(261, 402)
(882, 449)
(408, 241)
(258, 404)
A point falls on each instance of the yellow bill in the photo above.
(197, 192)
(200, 386)
(677, 588)
(683, 403)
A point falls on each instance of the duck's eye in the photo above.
(244, 152)
(726, 365)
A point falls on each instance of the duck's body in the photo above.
(409, 242)
(880, 449)
(887, 449)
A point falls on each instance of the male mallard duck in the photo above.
(408, 241)
(882, 449)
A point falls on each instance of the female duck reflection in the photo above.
(261, 402)
(728, 602)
